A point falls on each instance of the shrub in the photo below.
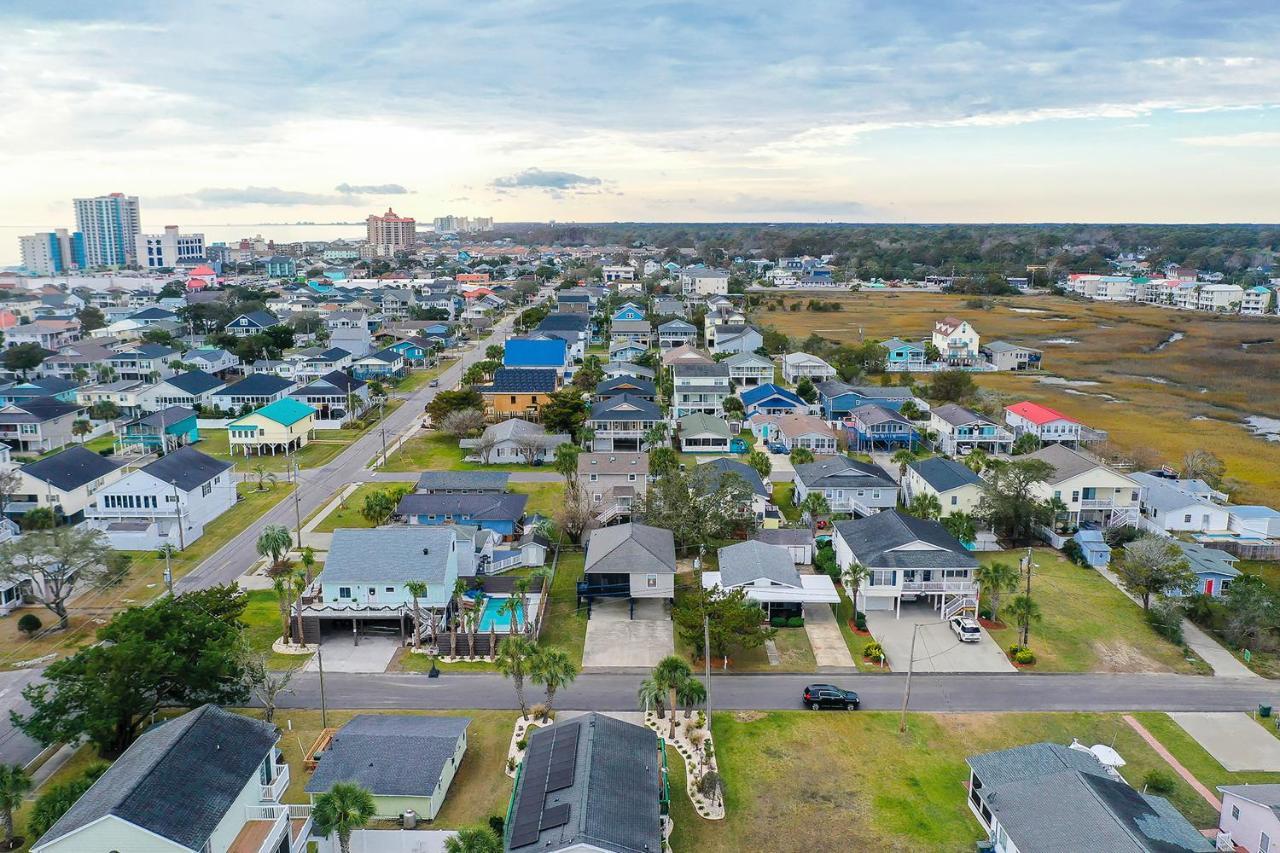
(29, 624)
(795, 622)
(1159, 781)
(778, 622)
(511, 763)
(873, 651)
(985, 613)
(522, 744)
(497, 823)
(709, 784)
(1014, 648)
(1024, 657)
(1165, 616)
(1072, 551)
(860, 620)
(538, 711)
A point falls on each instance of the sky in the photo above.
(976, 111)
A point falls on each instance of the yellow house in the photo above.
(287, 424)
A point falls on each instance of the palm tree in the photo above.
(651, 693)
(80, 428)
(1024, 612)
(274, 542)
(300, 584)
(586, 437)
(14, 785)
(566, 463)
(343, 808)
(814, 505)
(308, 561)
(281, 586)
(961, 526)
(669, 674)
(852, 577)
(903, 458)
(459, 587)
(1057, 509)
(471, 622)
(510, 608)
(417, 589)
(996, 579)
(977, 461)
(552, 669)
(515, 654)
(691, 692)
(264, 477)
(925, 506)
(801, 456)
(475, 839)
(656, 435)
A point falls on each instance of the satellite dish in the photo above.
(1108, 756)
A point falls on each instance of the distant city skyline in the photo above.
(938, 112)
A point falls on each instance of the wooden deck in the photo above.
(251, 836)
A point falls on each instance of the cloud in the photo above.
(371, 189)
(233, 196)
(545, 180)
(1253, 139)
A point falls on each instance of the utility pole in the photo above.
(384, 446)
(177, 508)
(1026, 628)
(906, 694)
(324, 710)
(168, 572)
(706, 656)
(297, 501)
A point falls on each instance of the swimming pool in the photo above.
(500, 622)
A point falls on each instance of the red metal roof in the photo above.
(1038, 414)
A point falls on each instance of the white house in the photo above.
(169, 501)
(1169, 508)
(65, 482)
(800, 364)
(1256, 301)
(791, 431)
(749, 369)
(768, 575)
(848, 485)
(698, 387)
(962, 430)
(1048, 425)
(513, 441)
(1090, 490)
(191, 389)
(956, 340)
(701, 281)
(629, 561)
(1251, 814)
(1222, 298)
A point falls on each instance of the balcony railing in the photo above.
(1107, 504)
(279, 817)
(956, 586)
(271, 793)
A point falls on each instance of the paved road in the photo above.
(318, 484)
(412, 477)
(974, 693)
(16, 747)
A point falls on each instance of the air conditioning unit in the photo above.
(409, 820)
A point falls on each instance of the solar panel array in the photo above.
(549, 766)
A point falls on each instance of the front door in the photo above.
(1208, 586)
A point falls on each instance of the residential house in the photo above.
(1249, 522)
(907, 558)
(644, 389)
(1048, 425)
(615, 369)
(798, 541)
(63, 390)
(700, 281)
(541, 353)
(848, 485)
(682, 355)
(191, 389)
(366, 576)
(708, 476)
(1257, 301)
(629, 561)
(169, 501)
(699, 433)
(792, 431)
(573, 303)
(960, 430)
(620, 423)
(407, 762)
(870, 427)
(517, 392)
(1169, 508)
(957, 342)
(209, 781)
(336, 397)
(415, 350)
(383, 365)
(638, 332)
(903, 355)
(350, 331)
(1250, 816)
(610, 794)
(252, 391)
(801, 365)
(1045, 798)
(318, 362)
(130, 396)
(698, 387)
(575, 326)
(1214, 569)
(462, 482)
(52, 335)
(514, 441)
(283, 426)
(770, 399)
(749, 369)
(612, 482)
(79, 359)
(14, 590)
(628, 311)
(622, 350)
(675, 333)
(215, 361)
(837, 399)
(37, 425)
(768, 576)
(1091, 491)
(957, 487)
(1003, 355)
(148, 362)
(734, 339)
(668, 306)
(165, 430)
(1221, 298)
(502, 513)
(396, 303)
(64, 482)
(252, 323)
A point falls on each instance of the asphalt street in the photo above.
(14, 745)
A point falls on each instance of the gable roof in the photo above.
(684, 354)
(625, 407)
(535, 352)
(393, 554)
(1038, 414)
(626, 385)
(334, 380)
(37, 410)
(178, 779)
(1067, 463)
(186, 468)
(390, 755)
(256, 385)
(842, 472)
(700, 422)
(711, 472)
(71, 468)
(760, 393)
(631, 548)
(957, 415)
(286, 411)
(748, 357)
(484, 481)
(875, 541)
(944, 474)
(482, 507)
(521, 380)
(615, 462)
(565, 322)
(628, 368)
(678, 326)
(263, 319)
(752, 560)
(869, 414)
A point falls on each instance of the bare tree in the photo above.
(10, 482)
(54, 563)
(529, 446)
(483, 448)
(574, 516)
(267, 686)
(462, 423)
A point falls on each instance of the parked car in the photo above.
(775, 447)
(434, 383)
(966, 629)
(827, 696)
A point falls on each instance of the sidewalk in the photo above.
(1174, 763)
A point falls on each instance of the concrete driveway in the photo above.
(937, 649)
(830, 651)
(1237, 741)
(616, 641)
(341, 655)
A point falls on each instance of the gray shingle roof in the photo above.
(195, 382)
(785, 536)
(485, 507)
(257, 385)
(391, 554)
(959, 415)
(626, 385)
(944, 474)
(1067, 463)
(625, 407)
(178, 779)
(480, 481)
(613, 799)
(874, 541)
(699, 370)
(631, 549)
(746, 562)
(843, 472)
(715, 469)
(187, 468)
(390, 755)
(71, 468)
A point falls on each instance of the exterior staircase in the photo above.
(960, 604)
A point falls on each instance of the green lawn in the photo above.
(1202, 765)
(350, 514)
(544, 498)
(1267, 570)
(1088, 625)
(782, 499)
(564, 625)
(855, 641)
(811, 778)
(794, 653)
(97, 445)
(438, 452)
(75, 765)
(324, 448)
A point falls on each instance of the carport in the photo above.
(937, 648)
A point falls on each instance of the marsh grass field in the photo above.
(1166, 381)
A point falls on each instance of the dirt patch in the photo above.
(748, 716)
(1122, 657)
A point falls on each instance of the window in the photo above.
(1235, 812)
(390, 589)
(955, 500)
(1075, 496)
(1187, 518)
(651, 581)
(1264, 843)
(884, 578)
(206, 489)
(344, 592)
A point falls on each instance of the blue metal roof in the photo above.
(541, 352)
(760, 393)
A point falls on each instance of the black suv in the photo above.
(819, 696)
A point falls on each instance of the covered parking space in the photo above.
(937, 649)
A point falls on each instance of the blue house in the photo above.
(1093, 548)
(414, 350)
(875, 427)
(1214, 569)
(382, 364)
(770, 399)
(536, 353)
(629, 311)
(903, 355)
(16, 393)
(500, 512)
(837, 399)
(280, 266)
(177, 425)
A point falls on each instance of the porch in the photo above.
(273, 829)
